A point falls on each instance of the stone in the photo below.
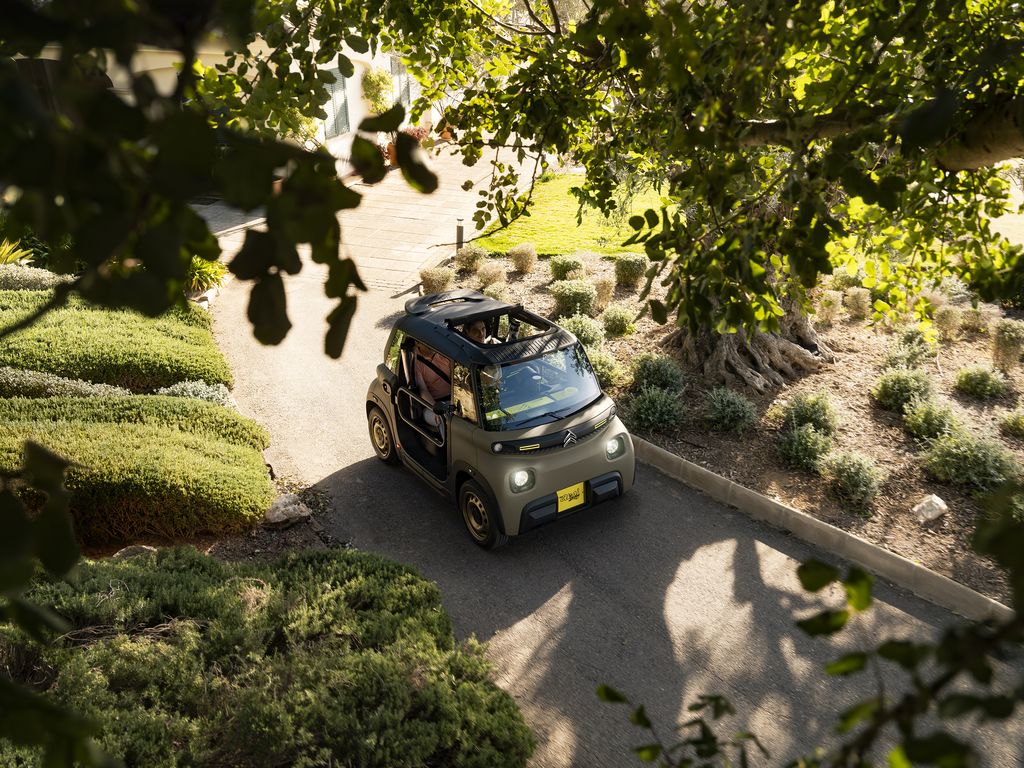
(136, 550)
(930, 508)
(286, 511)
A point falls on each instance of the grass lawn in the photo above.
(552, 226)
(111, 347)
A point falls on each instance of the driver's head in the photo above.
(477, 331)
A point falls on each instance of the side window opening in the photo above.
(391, 360)
(462, 393)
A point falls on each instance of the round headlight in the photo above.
(615, 447)
(521, 480)
(497, 447)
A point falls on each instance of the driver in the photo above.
(433, 373)
(477, 331)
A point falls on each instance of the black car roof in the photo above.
(436, 319)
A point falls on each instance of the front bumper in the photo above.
(545, 509)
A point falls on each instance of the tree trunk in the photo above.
(761, 361)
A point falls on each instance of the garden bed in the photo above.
(752, 458)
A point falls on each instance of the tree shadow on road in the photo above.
(663, 594)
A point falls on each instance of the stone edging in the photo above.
(898, 570)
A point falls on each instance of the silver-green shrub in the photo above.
(21, 277)
(897, 388)
(618, 321)
(973, 463)
(15, 382)
(200, 390)
(978, 381)
(814, 408)
(606, 367)
(573, 297)
(658, 372)
(1007, 343)
(469, 258)
(562, 266)
(630, 269)
(655, 410)
(728, 411)
(586, 329)
(853, 478)
(523, 257)
(928, 419)
(804, 447)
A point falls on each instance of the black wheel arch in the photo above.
(461, 472)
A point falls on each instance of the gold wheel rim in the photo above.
(475, 513)
(380, 436)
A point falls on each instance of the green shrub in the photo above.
(853, 478)
(122, 348)
(204, 274)
(523, 257)
(606, 367)
(909, 349)
(630, 269)
(13, 253)
(469, 258)
(200, 390)
(573, 297)
(587, 330)
(21, 277)
(15, 382)
(658, 372)
(618, 321)
(605, 287)
(976, 464)
(378, 88)
(490, 272)
(436, 280)
(728, 411)
(134, 480)
(814, 408)
(184, 414)
(1012, 424)
(948, 320)
(981, 382)
(897, 388)
(562, 266)
(655, 410)
(1007, 343)
(858, 302)
(842, 280)
(319, 658)
(830, 304)
(804, 447)
(927, 419)
(974, 320)
(498, 291)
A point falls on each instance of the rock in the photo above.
(286, 511)
(930, 508)
(136, 550)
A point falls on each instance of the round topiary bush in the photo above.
(562, 266)
(980, 382)
(490, 272)
(318, 658)
(948, 320)
(853, 478)
(497, 291)
(587, 330)
(728, 411)
(618, 321)
(1007, 343)
(1012, 424)
(655, 410)
(858, 302)
(653, 371)
(630, 269)
(606, 367)
(814, 408)
(573, 297)
(973, 463)
(605, 287)
(523, 257)
(897, 388)
(828, 307)
(469, 258)
(436, 280)
(927, 419)
(804, 447)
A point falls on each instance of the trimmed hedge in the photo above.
(197, 417)
(325, 658)
(132, 480)
(17, 383)
(122, 348)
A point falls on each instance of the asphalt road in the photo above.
(663, 594)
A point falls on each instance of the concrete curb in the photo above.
(904, 573)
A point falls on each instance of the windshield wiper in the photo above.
(552, 414)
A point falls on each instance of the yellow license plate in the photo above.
(571, 497)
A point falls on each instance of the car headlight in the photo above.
(615, 447)
(521, 480)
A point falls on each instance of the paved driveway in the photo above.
(664, 594)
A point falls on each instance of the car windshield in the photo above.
(537, 391)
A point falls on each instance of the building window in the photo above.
(402, 82)
(336, 108)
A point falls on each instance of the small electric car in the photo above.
(526, 435)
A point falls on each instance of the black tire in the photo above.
(480, 516)
(380, 436)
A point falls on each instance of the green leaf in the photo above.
(905, 653)
(639, 717)
(648, 753)
(848, 664)
(338, 323)
(268, 311)
(865, 710)
(825, 623)
(637, 222)
(858, 589)
(608, 694)
(898, 759)
(357, 43)
(815, 575)
(659, 313)
(345, 66)
(386, 121)
(651, 217)
(410, 160)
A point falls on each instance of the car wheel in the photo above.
(381, 437)
(480, 516)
